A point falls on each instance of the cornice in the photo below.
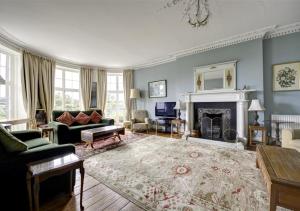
(283, 30)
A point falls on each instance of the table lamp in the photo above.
(178, 107)
(135, 94)
(256, 106)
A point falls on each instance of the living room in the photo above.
(139, 105)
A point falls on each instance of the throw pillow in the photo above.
(66, 118)
(95, 117)
(10, 143)
(82, 118)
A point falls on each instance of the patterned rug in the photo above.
(102, 146)
(159, 173)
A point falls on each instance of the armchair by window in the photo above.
(140, 121)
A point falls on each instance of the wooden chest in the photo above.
(280, 168)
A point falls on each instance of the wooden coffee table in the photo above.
(280, 168)
(102, 133)
(44, 169)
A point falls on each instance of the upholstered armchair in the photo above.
(291, 138)
(140, 121)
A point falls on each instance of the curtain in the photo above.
(101, 89)
(127, 85)
(86, 86)
(46, 77)
(29, 79)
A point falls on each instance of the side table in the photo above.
(47, 132)
(177, 123)
(41, 170)
(252, 129)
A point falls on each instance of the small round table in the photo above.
(178, 123)
(47, 131)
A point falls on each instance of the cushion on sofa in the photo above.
(66, 118)
(96, 117)
(11, 143)
(37, 142)
(82, 118)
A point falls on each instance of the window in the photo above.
(115, 107)
(67, 89)
(11, 100)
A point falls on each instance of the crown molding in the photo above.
(283, 30)
(263, 33)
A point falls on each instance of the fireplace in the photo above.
(218, 117)
(213, 120)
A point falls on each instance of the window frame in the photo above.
(63, 89)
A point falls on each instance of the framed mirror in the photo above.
(215, 77)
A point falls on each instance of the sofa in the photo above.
(291, 138)
(72, 134)
(13, 167)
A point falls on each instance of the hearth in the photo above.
(214, 120)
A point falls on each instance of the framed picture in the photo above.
(286, 76)
(157, 89)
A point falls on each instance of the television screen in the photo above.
(165, 109)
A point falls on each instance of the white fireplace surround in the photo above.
(238, 96)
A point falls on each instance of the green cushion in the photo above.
(11, 143)
(37, 142)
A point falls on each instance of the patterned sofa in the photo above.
(72, 134)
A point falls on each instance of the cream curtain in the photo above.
(101, 89)
(46, 87)
(127, 85)
(86, 86)
(37, 77)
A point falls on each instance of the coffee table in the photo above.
(101, 133)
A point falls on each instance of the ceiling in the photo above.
(121, 33)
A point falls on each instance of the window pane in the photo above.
(58, 73)
(58, 83)
(58, 100)
(3, 59)
(3, 112)
(72, 100)
(3, 72)
(2, 91)
(112, 83)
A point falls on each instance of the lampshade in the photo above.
(135, 94)
(2, 81)
(178, 105)
(256, 106)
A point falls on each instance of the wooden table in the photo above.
(44, 169)
(47, 132)
(280, 168)
(102, 133)
(177, 123)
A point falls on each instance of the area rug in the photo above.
(159, 173)
(102, 146)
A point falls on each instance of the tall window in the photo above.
(11, 101)
(115, 107)
(67, 89)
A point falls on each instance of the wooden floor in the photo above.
(96, 196)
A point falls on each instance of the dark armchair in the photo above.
(13, 192)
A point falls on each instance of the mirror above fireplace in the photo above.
(220, 76)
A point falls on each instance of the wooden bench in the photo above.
(280, 168)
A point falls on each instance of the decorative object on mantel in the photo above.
(196, 11)
(215, 77)
(157, 89)
(256, 106)
(286, 76)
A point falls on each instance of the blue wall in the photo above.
(180, 73)
(280, 50)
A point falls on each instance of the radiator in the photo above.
(292, 121)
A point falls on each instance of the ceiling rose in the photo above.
(195, 11)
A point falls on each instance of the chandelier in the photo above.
(195, 11)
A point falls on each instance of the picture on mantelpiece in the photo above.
(286, 77)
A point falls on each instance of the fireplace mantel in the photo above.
(238, 96)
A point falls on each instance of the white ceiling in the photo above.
(120, 33)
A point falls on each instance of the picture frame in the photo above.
(286, 76)
(157, 89)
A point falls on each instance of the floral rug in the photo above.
(103, 145)
(159, 173)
